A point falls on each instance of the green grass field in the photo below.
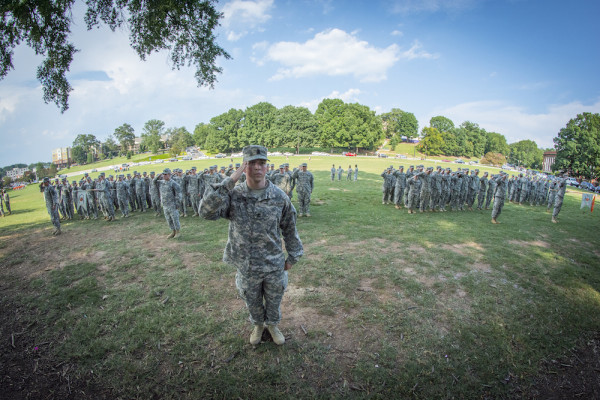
(382, 305)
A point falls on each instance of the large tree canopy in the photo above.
(183, 27)
(526, 153)
(578, 146)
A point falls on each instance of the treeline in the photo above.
(334, 125)
(442, 137)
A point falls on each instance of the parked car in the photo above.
(459, 161)
(94, 170)
(348, 154)
(446, 161)
(173, 160)
(220, 155)
(572, 182)
(401, 156)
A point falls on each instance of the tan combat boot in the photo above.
(256, 334)
(554, 220)
(177, 234)
(494, 221)
(276, 334)
(172, 235)
(307, 215)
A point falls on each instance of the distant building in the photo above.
(549, 158)
(16, 173)
(62, 157)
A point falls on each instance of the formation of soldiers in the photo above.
(352, 174)
(446, 190)
(171, 193)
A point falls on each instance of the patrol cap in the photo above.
(110, 176)
(412, 166)
(254, 152)
(74, 182)
(272, 165)
(288, 164)
(304, 164)
(128, 175)
(429, 168)
(46, 179)
(144, 173)
(237, 165)
(85, 174)
(151, 173)
(476, 170)
(194, 168)
(231, 165)
(281, 166)
(400, 166)
(167, 171)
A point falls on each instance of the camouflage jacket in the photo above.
(305, 181)
(255, 226)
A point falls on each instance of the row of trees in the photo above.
(335, 124)
(442, 137)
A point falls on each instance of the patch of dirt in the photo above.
(575, 376)
(462, 248)
(28, 372)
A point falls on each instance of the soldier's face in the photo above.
(256, 169)
(304, 169)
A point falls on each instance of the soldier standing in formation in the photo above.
(170, 196)
(51, 198)
(333, 173)
(561, 188)
(259, 214)
(304, 187)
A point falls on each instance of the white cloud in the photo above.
(514, 122)
(397, 33)
(349, 96)
(242, 16)
(415, 52)
(418, 6)
(334, 53)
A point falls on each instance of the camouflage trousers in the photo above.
(497, 209)
(488, 199)
(155, 199)
(558, 201)
(399, 195)
(141, 201)
(262, 292)
(123, 206)
(194, 200)
(107, 206)
(425, 198)
(304, 202)
(54, 217)
(387, 195)
(480, 199)
(172, 217)
(551, 197)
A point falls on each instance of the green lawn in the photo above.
(383, 304)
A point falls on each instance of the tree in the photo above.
(201, 132)
(496, 159)
(6, 181)
(258, 121)
(442, 124)
(152, 133)
(578, 146)
(89, 144)
(525, 153)
(184, 27)
(496, 143)
(79, 154)
(398, 123)
(476, 136)
(225, 131)
(110, 148)
(179, 139)
(294, 127)
(432, 142)
(329, 122)
(126, 137)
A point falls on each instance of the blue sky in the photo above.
(521, 68)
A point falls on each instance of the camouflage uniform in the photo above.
(282, 180)
(349, 176)
(7, 202)
(257, 219)
(490, 192)
(51, 197)
(340, 171)
(193, 188)
(400, 186)
(499, 196)
(170, 196)
(122, 189)
(483, 183)
(105, 198)
(333, 173)
(552, 194)
(425, 193)
(304, 188)
(355, 173)
(561, 188)
(413, 188)
(387, 186)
